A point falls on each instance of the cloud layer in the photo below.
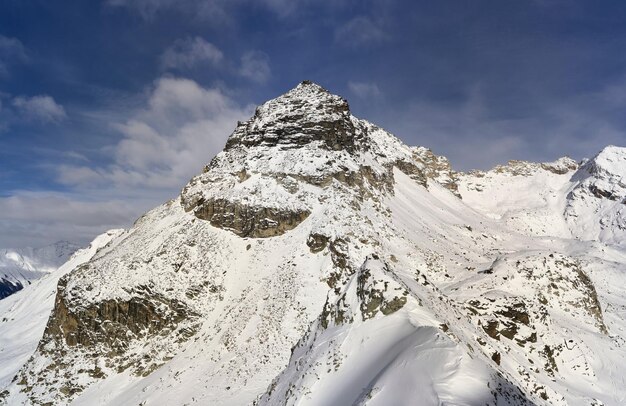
(12, 51)
(364, 90)
(33, 218)
(164, 144)
(179, 129)
(360, 31)
(189, 53)
(211, 10)
(42, 107)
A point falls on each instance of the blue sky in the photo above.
(107, 108)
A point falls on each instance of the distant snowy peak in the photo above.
(45, 258)
(58, 253)
(19, 267)
(561, 166)
(596, 200)
(605, 174)
(611, 160)
(561, 198)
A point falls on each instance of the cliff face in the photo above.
(319, 260)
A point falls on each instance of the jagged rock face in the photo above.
(367, 292)
(561, 166)
(553, 284)
(524, 168)
(306, 114)
(113, 324)
(249, 221)
(438, 168)
(85, 343)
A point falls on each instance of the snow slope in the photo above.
(24, 314)
(557, 199)
(20, 267)
(318, 260)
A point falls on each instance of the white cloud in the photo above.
(255, 65)
(37, 219)
(42, 107)
(364, 90)
(11, 51)
(360, 31)
(190, 52)
(182, 127)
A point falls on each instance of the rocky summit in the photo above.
(318, 260)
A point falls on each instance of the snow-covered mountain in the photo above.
(23, 316)
(559, 198)
(20, 267)
(317, 260)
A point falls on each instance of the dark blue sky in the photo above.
(107, 108)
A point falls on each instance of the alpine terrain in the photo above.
(20, 267)
(318, 260)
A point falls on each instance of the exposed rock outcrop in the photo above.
(306, 114)
(112, 324)
(247, 220)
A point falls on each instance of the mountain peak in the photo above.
(307, 84)
(611, 159)
(603, 175)
(305, 114)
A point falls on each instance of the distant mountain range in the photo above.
(20, 267)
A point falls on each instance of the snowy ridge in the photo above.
(318, 260)
(586, 202)
(596, 202)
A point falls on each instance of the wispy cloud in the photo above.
(189, 53)
(12, 51)
(163, 145)
(360, 31)
(364, 90)
(473, 136)
(255, 65)
(42, 107)
(180, 127)
(37, 218)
